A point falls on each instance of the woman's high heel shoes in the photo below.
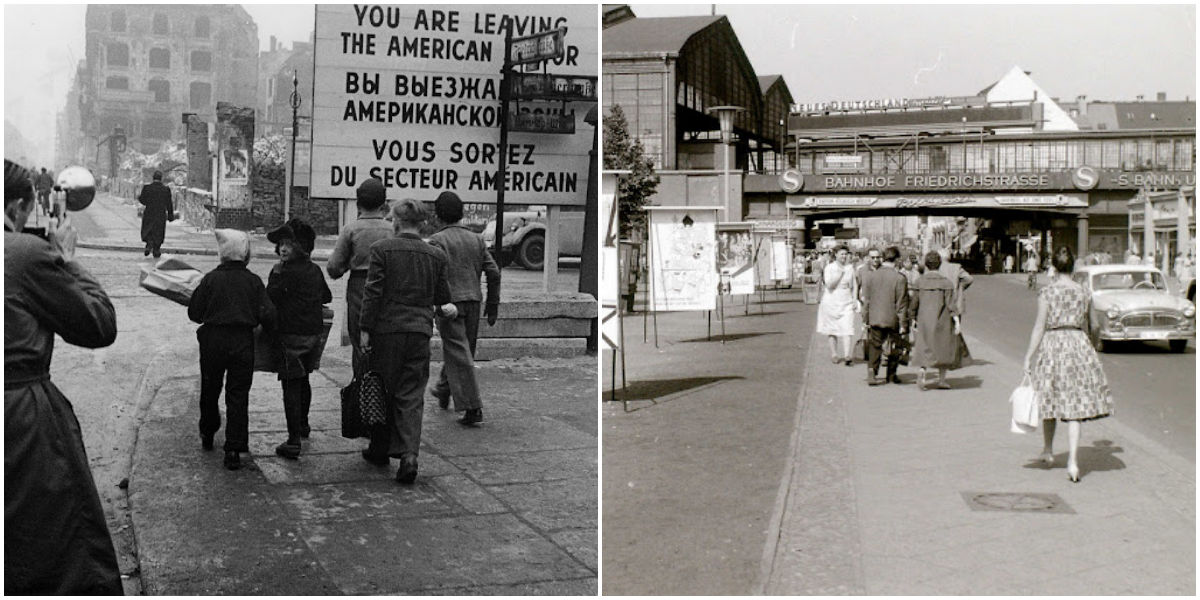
(1073, 474)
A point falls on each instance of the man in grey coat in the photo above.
(884, 294)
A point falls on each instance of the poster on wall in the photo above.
(683, 258)
(735, 262)
(411, 94)
(235, 144)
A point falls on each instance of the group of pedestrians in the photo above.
(892, 299)
(1064, 369)
(397, 285)
(56, 537)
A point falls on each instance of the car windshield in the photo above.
(1128, 280)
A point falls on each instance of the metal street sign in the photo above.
(541, 122)
(548, 45)
(543, 86)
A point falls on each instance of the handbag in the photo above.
(352, 422)
(1025, 414)
(371, 396)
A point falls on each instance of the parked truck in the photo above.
(525, 236)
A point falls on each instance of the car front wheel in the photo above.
(531, 254)
(1177, 346)
(1099, 344)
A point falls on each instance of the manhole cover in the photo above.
(1026, 502)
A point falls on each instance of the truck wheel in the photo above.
(531, 253)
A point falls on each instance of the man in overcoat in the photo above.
(885, 311)
(156, 197)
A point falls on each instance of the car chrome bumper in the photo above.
(1146, 336)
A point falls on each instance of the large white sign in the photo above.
(683, 258)
(411, 94)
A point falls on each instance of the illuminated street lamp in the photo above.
(725, 116)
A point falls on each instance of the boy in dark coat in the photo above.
(156, 197)
(228, 303)
(298, 289)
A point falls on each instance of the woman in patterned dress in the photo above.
(1066, 374)
(835, 313)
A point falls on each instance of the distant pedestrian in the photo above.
(885, 314)
(406, 284)
(937, 328)
(298, 290)
(56, 540)
(352, 251)
(156, 197)
(44, 182)
(468, 258)
(1066, 373)
(1008, 263)
(836, 313)
(228, 303)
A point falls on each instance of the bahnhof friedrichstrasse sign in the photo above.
(411, 94)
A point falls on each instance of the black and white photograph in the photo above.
(301, 299)
(963, 358)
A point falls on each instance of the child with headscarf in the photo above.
(297, 288)
(228, 303)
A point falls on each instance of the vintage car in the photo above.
(1132, 303)
(525, 236)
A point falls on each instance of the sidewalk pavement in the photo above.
(508, 508)
(891, 490)
(117, 218)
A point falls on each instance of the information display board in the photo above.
(610, 293)
(411, 94)
(735, 262)
(683, 258)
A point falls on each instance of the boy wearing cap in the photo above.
(228, 303)
(352, 253)
(156, 197)
(468, 257)
(298, 290)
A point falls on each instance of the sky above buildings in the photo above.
(845, 52)
(44, 42)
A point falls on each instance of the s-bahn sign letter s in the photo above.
(1085, 178)
(791, 181)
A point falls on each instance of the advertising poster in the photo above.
(411, 94)
(683, 258)
(735, 262)
(235, 142)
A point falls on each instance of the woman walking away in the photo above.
(1066, 374)
(936, 327)
(836, 312)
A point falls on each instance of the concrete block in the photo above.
(544, 327)
(502, 348)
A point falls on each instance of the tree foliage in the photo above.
(624, 152)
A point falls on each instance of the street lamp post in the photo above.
(725, 116)
(294, 100)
